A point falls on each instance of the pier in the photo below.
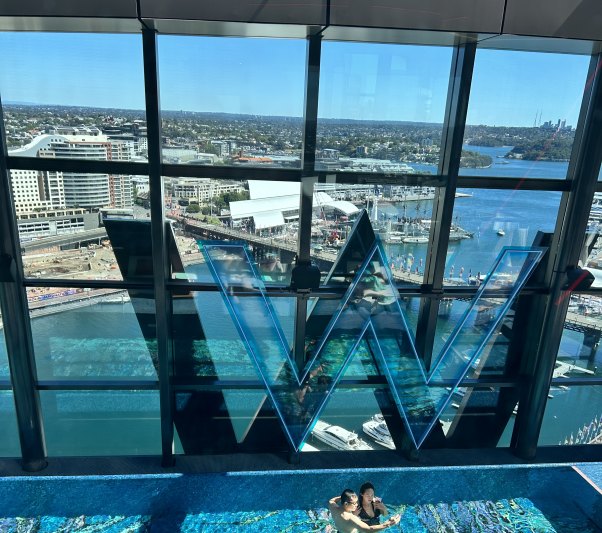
(324, 259)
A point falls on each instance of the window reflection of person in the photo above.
(382, 297)
(312, 390)
(342, 509)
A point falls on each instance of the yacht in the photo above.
(378, 430)
(338, 437)
(501, 232)
(416, 240)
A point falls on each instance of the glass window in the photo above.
(73, 96)
(232, 101)
(92, 334)
(9, 436)
(492, 359)
(381, 107)
(81, 423)
(579, 354)
(73, 225)
(591, 255)
(480, 418)
(521, 121)
(262, 214)
(358, 421)
(573, 416)
(486, 220)
(4, 368)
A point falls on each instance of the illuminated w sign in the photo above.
(369, 314)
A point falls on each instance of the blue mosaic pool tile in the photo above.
(79, 524)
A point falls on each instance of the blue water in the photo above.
(439, 500)
(504, 167)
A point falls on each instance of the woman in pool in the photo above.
(370, 507)
(343, 508)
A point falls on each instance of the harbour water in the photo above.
(84, 334)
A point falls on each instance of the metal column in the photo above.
(565, 252)
(443, 205)
(17, 327)
(161, 271)
(312, 84)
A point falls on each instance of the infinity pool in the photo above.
(540, 499)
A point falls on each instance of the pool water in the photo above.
(510, 499)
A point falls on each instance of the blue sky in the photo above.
(267, 77)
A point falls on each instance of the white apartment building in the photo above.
(204, 189)
(58, 190)
(35, 190)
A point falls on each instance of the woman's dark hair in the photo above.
(366, 486)
(347, 496)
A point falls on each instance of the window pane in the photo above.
(578, 355)
(80, 423)
(358, 414)
(232, 101)
(93, 334)
(480, 418)
(9, 436)
(381, 107)
(493, 359)
(591, 255)
(573, 416)
(74, 96)
(68, 235)
(494, 218)
(521, 121)
(399, 215)
(262, 214)
(4, 369)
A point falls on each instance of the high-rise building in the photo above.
(73, 189)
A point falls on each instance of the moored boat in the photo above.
(378, 430)
(338, 437)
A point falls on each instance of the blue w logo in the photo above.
(370, 315)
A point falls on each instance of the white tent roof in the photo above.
(268, 219)
(269, 200)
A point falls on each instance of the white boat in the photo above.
(378, 430)
(338, 437)
(416, 240)
(501, 232)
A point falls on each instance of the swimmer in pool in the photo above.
(342, 509)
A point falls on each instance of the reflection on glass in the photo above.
(492, 219)
(370, 310)
(521, 121)
(579, 354)
(9, 436)
(573, 416)
(492, 360)
(92, 334)
(399, 215)
(352, 420)
(479, 418)
(81, 423)
(230, 101)
(66, 237)
(591, 254)
(381, 107)
(263, 214)
(4, 369)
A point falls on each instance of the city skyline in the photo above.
(358, 82)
